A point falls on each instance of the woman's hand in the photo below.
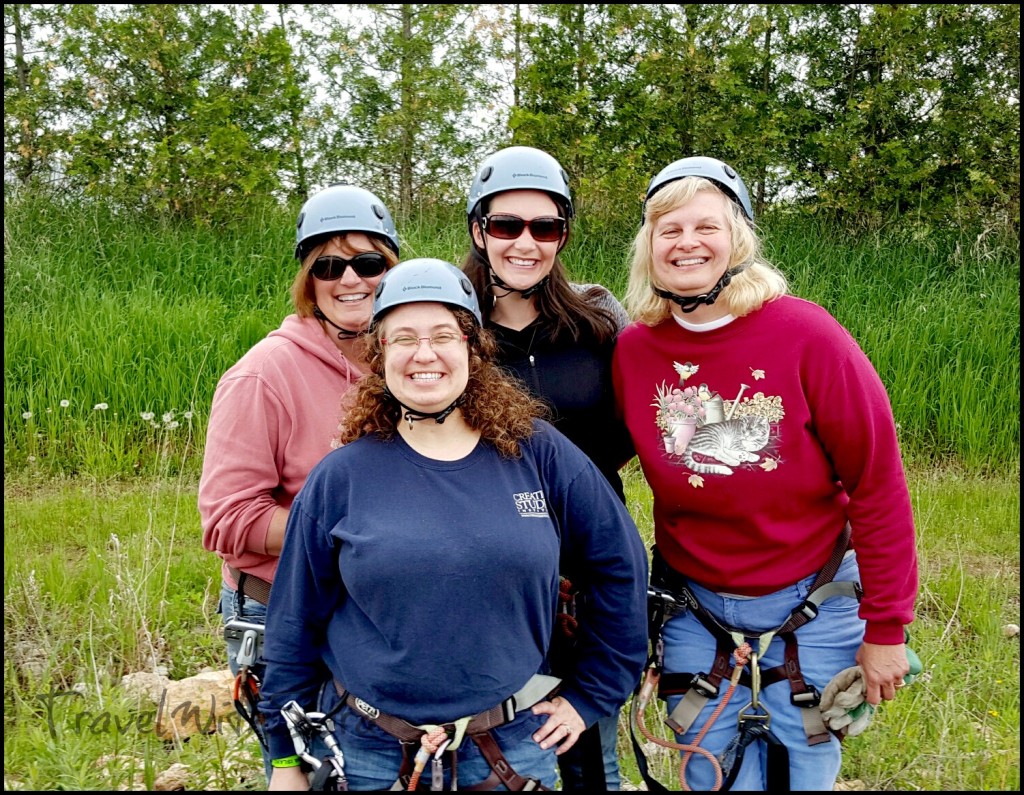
(884, 668)
(563, 726)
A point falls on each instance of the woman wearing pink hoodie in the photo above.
(275, 413)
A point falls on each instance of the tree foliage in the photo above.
(401, 87)
(867, 114)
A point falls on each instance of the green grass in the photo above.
(105, 578)
(106, 309)
(116, 331)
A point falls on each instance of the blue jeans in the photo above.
(826, 646)
(373, 757)
(570, 764)
(256, 613)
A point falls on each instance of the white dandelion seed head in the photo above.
(65, 403)
(172, 425)
(100, 407)
(147, 416)
(26, 415)
(168, 416)
(187, 415)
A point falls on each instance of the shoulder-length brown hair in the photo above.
(303, 295)
(492, 402)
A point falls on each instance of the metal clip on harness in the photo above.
(304, 727)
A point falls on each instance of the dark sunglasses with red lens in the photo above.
(545, 229)
(329, 268)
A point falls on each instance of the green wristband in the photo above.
(288, 761)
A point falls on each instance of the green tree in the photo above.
(402, 83)
(915, 111)
(180, 109)
(32, 96)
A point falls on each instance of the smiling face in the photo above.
(691, 246)
(347, 301)
(522, 262)
(426, 376)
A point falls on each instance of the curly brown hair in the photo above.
(492, 403)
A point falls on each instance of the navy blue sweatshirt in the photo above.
(428, 588)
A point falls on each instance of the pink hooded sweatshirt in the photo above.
(275, 414)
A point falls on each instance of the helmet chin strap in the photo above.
(688, 303)
(496, 281)
(343, 333)
(412, 415)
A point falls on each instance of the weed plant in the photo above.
(116, 331)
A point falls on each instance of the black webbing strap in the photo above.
(582, 766)
(653, 785)
(777, 759)
(251, 585)
(324, 780)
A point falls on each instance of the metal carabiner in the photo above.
(754, 710)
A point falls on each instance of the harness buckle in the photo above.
(808, 609)
(249, 635)
(807, 700)
(666, 602)
(703, 687)
(744, 717)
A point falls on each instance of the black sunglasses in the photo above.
(329, 268)
(546, 229)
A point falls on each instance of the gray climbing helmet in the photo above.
(722, 174)
(422, 280)
(342, 208)
(519, 168)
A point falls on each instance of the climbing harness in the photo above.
(670, 595)
(432, 741)
(304, 727)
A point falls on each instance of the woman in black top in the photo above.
(557, 337)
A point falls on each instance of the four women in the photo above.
(763, 430)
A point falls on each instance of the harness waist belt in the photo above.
(251, 586)
(536, 689)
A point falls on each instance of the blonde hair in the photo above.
(492, 403)
(759, 283)
(303, 295)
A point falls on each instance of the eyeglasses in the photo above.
(546, 229)
(329, 268)
(443, 339)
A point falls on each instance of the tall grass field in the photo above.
(116, 331)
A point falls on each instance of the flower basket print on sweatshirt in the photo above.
(710, 435)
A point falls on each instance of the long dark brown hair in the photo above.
(562, 309)
(492, 402)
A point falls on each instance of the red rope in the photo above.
(742, 657)
(429, 743)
